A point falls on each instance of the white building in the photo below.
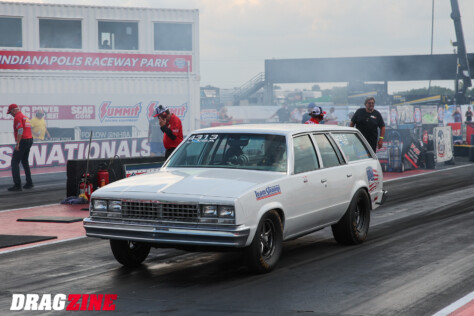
(100, 69)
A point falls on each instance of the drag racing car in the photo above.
(246, 188)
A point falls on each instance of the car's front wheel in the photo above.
(129, 253)
(353, 227)
(263, 253)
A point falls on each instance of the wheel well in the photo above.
(368, 194)
(281, 214)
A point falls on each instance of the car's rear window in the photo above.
(234, 151)
(352, 146)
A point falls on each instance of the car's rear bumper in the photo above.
(179, 235)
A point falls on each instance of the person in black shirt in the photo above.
(468, 114)
(283, 114)
(368, 120)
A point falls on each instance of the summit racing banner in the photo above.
(94, 61)
(58, 153)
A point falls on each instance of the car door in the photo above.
(336, 176)
(308, 194)
(366, 169)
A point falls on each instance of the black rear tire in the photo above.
(263, 253)
(353, 227)
(129, 253)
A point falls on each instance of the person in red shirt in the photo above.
(317, 115)
(171, 127)
(23, 142)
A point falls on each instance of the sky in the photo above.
(237, 36)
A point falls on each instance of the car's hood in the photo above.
(201, 182)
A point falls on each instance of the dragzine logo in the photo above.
(60, 302)
(268, 192)
(180, 110)
(107, 111)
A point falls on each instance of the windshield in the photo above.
(233, 151)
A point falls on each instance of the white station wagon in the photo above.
(244, 187)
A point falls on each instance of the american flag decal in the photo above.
(373, 178)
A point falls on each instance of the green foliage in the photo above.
(424, 91)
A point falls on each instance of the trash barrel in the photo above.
(429, 160)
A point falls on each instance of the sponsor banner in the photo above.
(405, 114)
(209, 115)
(413, 154)
(115, 113)
(178, 110)
(105, 132)
(55, 112)
(429, 114)
(60, 134)
(57, 154)
(417, 116)
(457, 135)
(33, 60)
(443, 145)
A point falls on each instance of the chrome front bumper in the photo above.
(225, 236)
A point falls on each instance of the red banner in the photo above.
(55, 112)
(94, 61)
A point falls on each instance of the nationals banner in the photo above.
(94, 61)
(58, 153)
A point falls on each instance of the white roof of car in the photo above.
(278, 128)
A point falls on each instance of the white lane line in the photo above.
(456, 305)
(426, 173)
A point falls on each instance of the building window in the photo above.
(60, 33)
(118, 35)
(10, 32)
(173, 36)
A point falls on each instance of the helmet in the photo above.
(161, 110)
(317, 110)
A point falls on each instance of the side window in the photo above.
(173, 36)
(60, 33)
(10, 32)
(305, 155)
(352, 146)
(118, 35)
(328, 153)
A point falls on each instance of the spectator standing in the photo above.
(38, 126)
(154, 138)
(368, 120)
(223, 116)
(331, 115)
(171, 127)
(317, 115)
(307, 115)
(23, 142)
(283, 114)
(469, 114)
(457, 115)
